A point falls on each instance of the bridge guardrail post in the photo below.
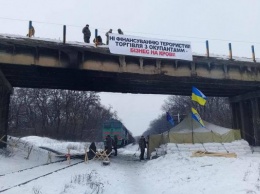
(29, 30)
(96, 34)
(230, 51)
(253, 53)
(207, 48)
(64, 34)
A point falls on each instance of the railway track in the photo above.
(22, 177)
(33, 167)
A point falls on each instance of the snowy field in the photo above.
(173, 172)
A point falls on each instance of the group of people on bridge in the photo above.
(98, 40)
(87, 34)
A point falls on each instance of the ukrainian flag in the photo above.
(198, 96)
(195, 115)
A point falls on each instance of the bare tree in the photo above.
(217, 110)
(58, 113)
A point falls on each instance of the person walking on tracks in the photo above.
(142, 146)
(109, 143)
(115, 144)
(92, 150)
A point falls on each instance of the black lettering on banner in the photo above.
(111, 38)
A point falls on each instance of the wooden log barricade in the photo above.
(12, 145)
(86, 155)
(2, 138)
(68, 156)
(29, 152)
(49, 157)
(213, 154)
(103, 156)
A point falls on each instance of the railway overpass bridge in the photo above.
(42, 63)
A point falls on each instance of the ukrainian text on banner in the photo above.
(148, 47)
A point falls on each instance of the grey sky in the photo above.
(219, 21)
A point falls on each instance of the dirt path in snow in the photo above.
(127, 175)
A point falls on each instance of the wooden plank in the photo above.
(213, 154)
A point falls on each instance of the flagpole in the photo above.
(200, 98)
(192, 129)
(191, 121)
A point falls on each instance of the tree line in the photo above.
(217, 111)
(62, 114)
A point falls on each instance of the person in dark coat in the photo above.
(107, 35)
(86, 33)
(98, 41)
(92, 148)
(109, 143)
(120, 31)
(142, 146)
(115, 144)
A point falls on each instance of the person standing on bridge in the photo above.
(120, 31)
(86, 33)
(107, 35)
(98, 41)
(31, 32)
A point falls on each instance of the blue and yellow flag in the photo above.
(195, 115)
(198, 96)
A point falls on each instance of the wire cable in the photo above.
(135, 32)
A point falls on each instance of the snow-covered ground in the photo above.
(175, 172)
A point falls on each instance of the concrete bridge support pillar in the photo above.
(246, 116)
(5, 92)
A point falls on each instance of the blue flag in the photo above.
(169, 118)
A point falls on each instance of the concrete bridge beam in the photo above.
(5, 92)
(246, 116)
(256, 120)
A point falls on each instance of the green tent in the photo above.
(191, 131)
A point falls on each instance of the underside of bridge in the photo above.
(35, 63)
(34, 76)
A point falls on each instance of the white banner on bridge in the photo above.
(149, 47)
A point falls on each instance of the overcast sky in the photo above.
(219, 21)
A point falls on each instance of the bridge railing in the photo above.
(73, 33)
